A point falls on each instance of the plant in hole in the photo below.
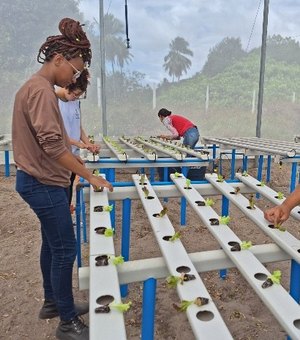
(220, 178)
(173, 280)
(184, 304)
(108, 208)
(237, 190)
(142, 179)
(177, 174)
(280, 195)
(224, 219)
(163, 212)
(121, 307)
(274, 278)
(109, 232)
(279, 227)
(145, 191)
(187, 183)
(209, 202)
(251, 201)
(241, 246)
(245, 173)
(117, 259)
(96, 172)
(175, 237)
(261, 184)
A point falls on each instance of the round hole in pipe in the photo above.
(167, 238)
(205, 315)
(260, 276)
(105, 299)
(183, 269)
(233, 243)
(271, 226)
(297, 323)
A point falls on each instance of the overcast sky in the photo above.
(153, 24)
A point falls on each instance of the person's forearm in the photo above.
(68, 161)
(293, 199)
(83, 136)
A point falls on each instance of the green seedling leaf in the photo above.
(108, 208)
(188, 183)
(245, 173)
(109, 232)
(280, 195)
(163, 212)
(146, 191)
(275, 277)
(96, 172)
(117, 260)
(177, 174)
(220, 178)
(121, 307)
(279, 227)
(209, 202)
(262, 183)
(224, 219)
(142, 178)
(246, 245)
(251, 202)
(183, 306)
(173, 281)
(175, 237)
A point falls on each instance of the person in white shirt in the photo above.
(69, 105)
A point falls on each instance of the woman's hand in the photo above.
(277, 215)
(99, 182)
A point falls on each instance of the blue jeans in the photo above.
(191, 137)
(58, 250)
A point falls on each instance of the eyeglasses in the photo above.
(77, 73)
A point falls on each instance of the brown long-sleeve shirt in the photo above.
(38, 134)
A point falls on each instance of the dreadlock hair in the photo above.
(72, 43)
(81, 82)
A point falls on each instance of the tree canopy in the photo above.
(176, 61)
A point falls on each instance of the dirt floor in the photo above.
(20, 279)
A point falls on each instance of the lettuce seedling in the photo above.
(224, 219)
(173, 281)
(121, 307)
(184, 304)
(187, 183)
(163, 212)
(274, 278)
(108, 232)
(246, 245)
(142, 180)
(245, 173)
(117, 259)
(175, 237)
(209, 202)
(220, 178)
(108, 208)
(280, 195)
(177, 174)
(237, 190)
(279, 227)
(146, 191)
(251, 202)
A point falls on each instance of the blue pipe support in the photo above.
(7, 168)
(293, 177)
(78, 231)
(125, 245)
(225, 212)
(152, 175)
(214, 154)
(269, 162)
(245, 163)
(259, 171)
(83, 213)
(148, 313)
(294, 281)
(233, 156)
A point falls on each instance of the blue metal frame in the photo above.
(148, 313)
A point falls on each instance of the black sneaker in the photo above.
(74, 329)
(49, 310)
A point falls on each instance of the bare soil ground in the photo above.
(20, 279)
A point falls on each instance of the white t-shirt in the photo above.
(71, 115)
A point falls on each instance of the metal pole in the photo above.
(102, 65)
(262, 68)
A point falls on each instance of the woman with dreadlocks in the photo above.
(44, 163)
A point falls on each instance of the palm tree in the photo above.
(115, 48)
(175, 61)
